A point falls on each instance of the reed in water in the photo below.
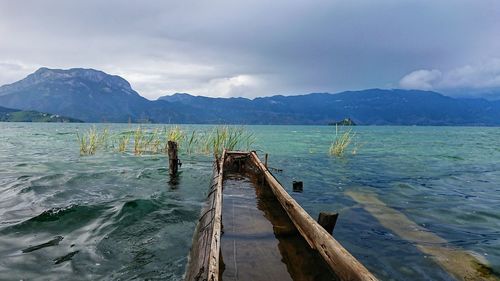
(143, 141)
(342, 141)
(91, 140)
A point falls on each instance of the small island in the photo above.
(343, 122)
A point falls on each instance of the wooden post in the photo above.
(173, 161)
(265, 163)
(298, 186)
(328, 220)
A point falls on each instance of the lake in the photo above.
(116, 216)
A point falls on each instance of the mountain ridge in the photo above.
(95, 96)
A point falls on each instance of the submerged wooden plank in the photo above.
(462, 265)
(335, 255)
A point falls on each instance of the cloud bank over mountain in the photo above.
(258, 48)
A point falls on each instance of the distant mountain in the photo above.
(369, 107)
(16, 115)
(94, 96)
(85, 94)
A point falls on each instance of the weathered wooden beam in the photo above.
(328, 220)
(173, 160)
(213, 263)
(340, 261)
(203, 263)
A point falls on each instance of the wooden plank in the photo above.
(203, 262)
(213, 266)
(462, 265)
(345, 266)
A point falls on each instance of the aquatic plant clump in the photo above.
(228, 137)
(175, 134)
(91, 140)
(342, 141)
(143, 141)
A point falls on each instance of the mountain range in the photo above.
(94, 96)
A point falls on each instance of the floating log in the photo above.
(328, 220)
(462, 265)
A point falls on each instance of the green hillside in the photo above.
(16, 115)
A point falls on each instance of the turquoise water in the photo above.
(117, 216)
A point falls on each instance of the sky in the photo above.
(260, 48)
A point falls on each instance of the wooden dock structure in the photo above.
(252, 229)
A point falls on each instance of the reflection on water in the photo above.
(120, 216)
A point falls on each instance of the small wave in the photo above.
(42, 182)
(54, 214)
(452, 157)
(138, 207)
(23, 177)
(58, 220)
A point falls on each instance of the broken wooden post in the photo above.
(298, 186)
(173, 161)
(265, 163)
(328, 220)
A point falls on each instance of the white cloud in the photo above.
(481, 75)
(236, 86)
(11, 71)
(420, 79)
(473, 78)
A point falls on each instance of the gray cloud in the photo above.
(250, 48)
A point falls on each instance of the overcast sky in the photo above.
(260, 48)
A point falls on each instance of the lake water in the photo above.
(116, 216)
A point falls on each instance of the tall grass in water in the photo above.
(156, 141)
(147, 142)
(191, 141)
(91, 140)
(342, 141)
(123, 142)
(227, 137)
(175, 134)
